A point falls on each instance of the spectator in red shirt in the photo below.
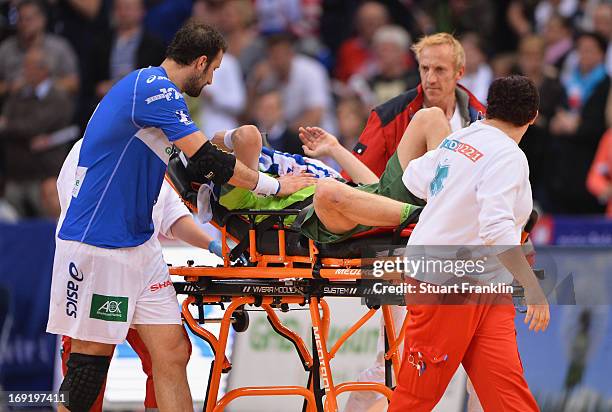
(355, 54)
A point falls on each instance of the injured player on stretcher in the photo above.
(329, 201)
(335, 214)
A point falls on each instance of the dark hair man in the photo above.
(106, 257)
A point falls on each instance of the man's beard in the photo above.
(194, 85)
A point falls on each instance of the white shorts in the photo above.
(97, 293)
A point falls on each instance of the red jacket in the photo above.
(388, 121)
(600, 174)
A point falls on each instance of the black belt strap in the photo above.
(265, 225)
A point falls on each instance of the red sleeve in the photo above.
(370, 148)
(597, 182)
(342, 71)
(351, 57)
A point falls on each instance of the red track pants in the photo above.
(481, 337)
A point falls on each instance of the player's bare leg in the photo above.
(246, 143)
(426, 131)
(340, 207)
(86, 348)
(169, 351)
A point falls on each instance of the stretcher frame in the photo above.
(309, 286)
(344, 274)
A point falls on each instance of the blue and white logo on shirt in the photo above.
(437, 184)
(183, 117)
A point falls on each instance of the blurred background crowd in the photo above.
(306, 62)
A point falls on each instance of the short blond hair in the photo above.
(440, 39)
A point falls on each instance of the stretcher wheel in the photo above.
(241, 319)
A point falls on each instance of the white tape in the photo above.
(227, 139)
(266, 185)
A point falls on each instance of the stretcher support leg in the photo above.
(320, 328)
(217, 369)
(390, 336)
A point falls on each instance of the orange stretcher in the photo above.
(276, 268)
(276, 281)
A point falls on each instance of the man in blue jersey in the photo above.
(106, 260)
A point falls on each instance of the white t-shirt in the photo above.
(456, 122)
(476, 184)
(479, 81)
(166, 211)
(307, 87)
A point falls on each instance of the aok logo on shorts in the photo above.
(109, 308)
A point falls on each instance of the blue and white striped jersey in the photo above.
(123, 159)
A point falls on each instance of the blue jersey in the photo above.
(123, 159)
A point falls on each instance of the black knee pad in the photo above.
(84, 379)
(211, 163)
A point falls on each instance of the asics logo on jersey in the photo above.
(72, 290)
(153, 77)
(165, 93)
(463, 148)
(183, 117)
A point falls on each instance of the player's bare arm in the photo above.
(319, 143)
(210, 162)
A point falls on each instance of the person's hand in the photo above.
(216, 248)
(556, 124)
(317, 142)
(606, 194)
(564, 122)
(103, 87)
(516, 18)
(262, 71)
(290, 184)
(538, 312)
(39, 142)
(17, 85)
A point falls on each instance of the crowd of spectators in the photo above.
(306, 62)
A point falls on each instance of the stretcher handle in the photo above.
(533, 219)
(531, 222)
